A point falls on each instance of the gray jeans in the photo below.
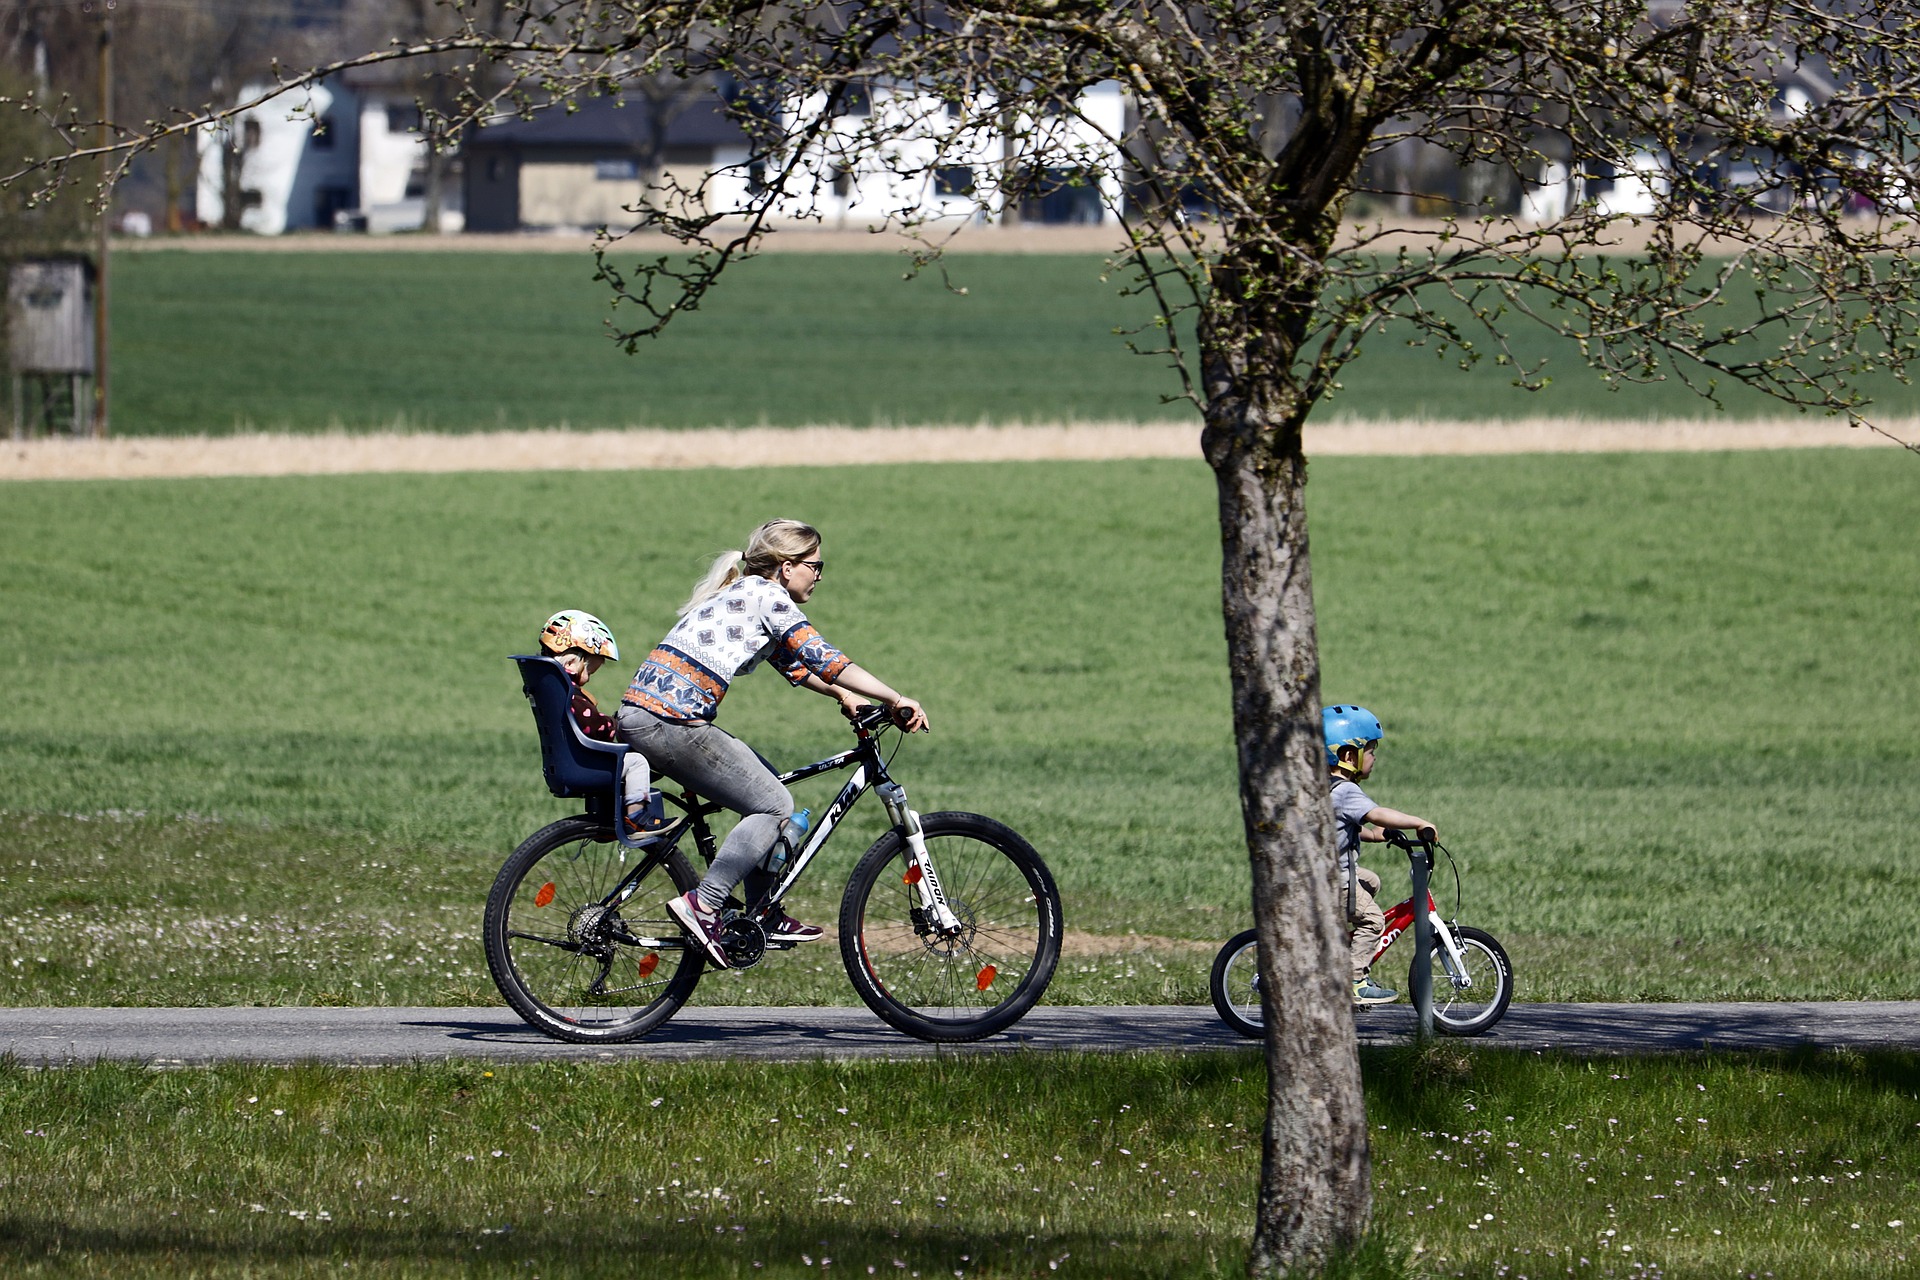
(713, 763)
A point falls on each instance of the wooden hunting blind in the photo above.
(49, 340)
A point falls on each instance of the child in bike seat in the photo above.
(1352, 735)
(580, 642)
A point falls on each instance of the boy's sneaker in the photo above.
(1365, 991)
(702, 925)
(786, 929)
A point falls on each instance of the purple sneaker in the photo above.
(701, 925)
(785, 928)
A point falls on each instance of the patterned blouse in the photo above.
(751, 619)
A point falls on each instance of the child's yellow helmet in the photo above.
(578, 629)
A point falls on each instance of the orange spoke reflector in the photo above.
(913, 875)
(985, 977)
(648, 963)
(545, 895)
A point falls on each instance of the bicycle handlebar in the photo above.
(873, 716)
(1399, 839)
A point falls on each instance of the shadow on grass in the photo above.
(1425, 1085)
(604, 1245)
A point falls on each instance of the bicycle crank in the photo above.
(744, 941)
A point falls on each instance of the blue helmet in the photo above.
(1348, 726)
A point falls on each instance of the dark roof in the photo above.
(614, 122)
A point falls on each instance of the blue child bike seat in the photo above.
(574, 764)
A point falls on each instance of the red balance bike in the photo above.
(1472, 978)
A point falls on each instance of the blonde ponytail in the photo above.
(774, 543)
(725, 570)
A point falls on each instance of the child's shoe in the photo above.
(1365, 992)
(702, 926)
(645, 818)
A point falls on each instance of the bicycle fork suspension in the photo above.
(920, 873)
(1452, 955)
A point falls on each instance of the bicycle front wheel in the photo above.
(1235, 984)
(972, 983)
(569, 961)
(1469, 1001)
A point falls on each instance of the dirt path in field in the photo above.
(137, 457)
(849, 237)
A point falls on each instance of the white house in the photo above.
(337, 153)
(949, 160)
(584, 168)
(1636, 188)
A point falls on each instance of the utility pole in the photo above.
(106, 224)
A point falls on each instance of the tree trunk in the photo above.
(1314, 1177)
(233, 159)
(434, 189)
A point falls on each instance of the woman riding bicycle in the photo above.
(746, 609)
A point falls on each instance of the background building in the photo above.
(347, 153)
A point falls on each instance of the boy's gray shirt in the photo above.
(1350, 809)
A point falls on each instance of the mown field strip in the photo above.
(280, 454)
(263, 745)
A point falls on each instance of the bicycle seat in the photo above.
(573, 764)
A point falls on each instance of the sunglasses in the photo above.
(819, 567)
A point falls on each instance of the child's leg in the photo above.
(644, 814)
(636, 778)
(1369, 921)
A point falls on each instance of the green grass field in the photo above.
(209, 342)
(1485, 1165)
(262, 742)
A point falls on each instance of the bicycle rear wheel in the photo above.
(978, 982)
(1467, 1010)
(573, 966)
(1235, 984)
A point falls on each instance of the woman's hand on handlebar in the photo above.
(854, 685)
(851, 703)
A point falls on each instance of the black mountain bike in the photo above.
(949, 928)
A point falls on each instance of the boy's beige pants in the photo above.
(1368, 921)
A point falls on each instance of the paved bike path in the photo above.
(374, 1036)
